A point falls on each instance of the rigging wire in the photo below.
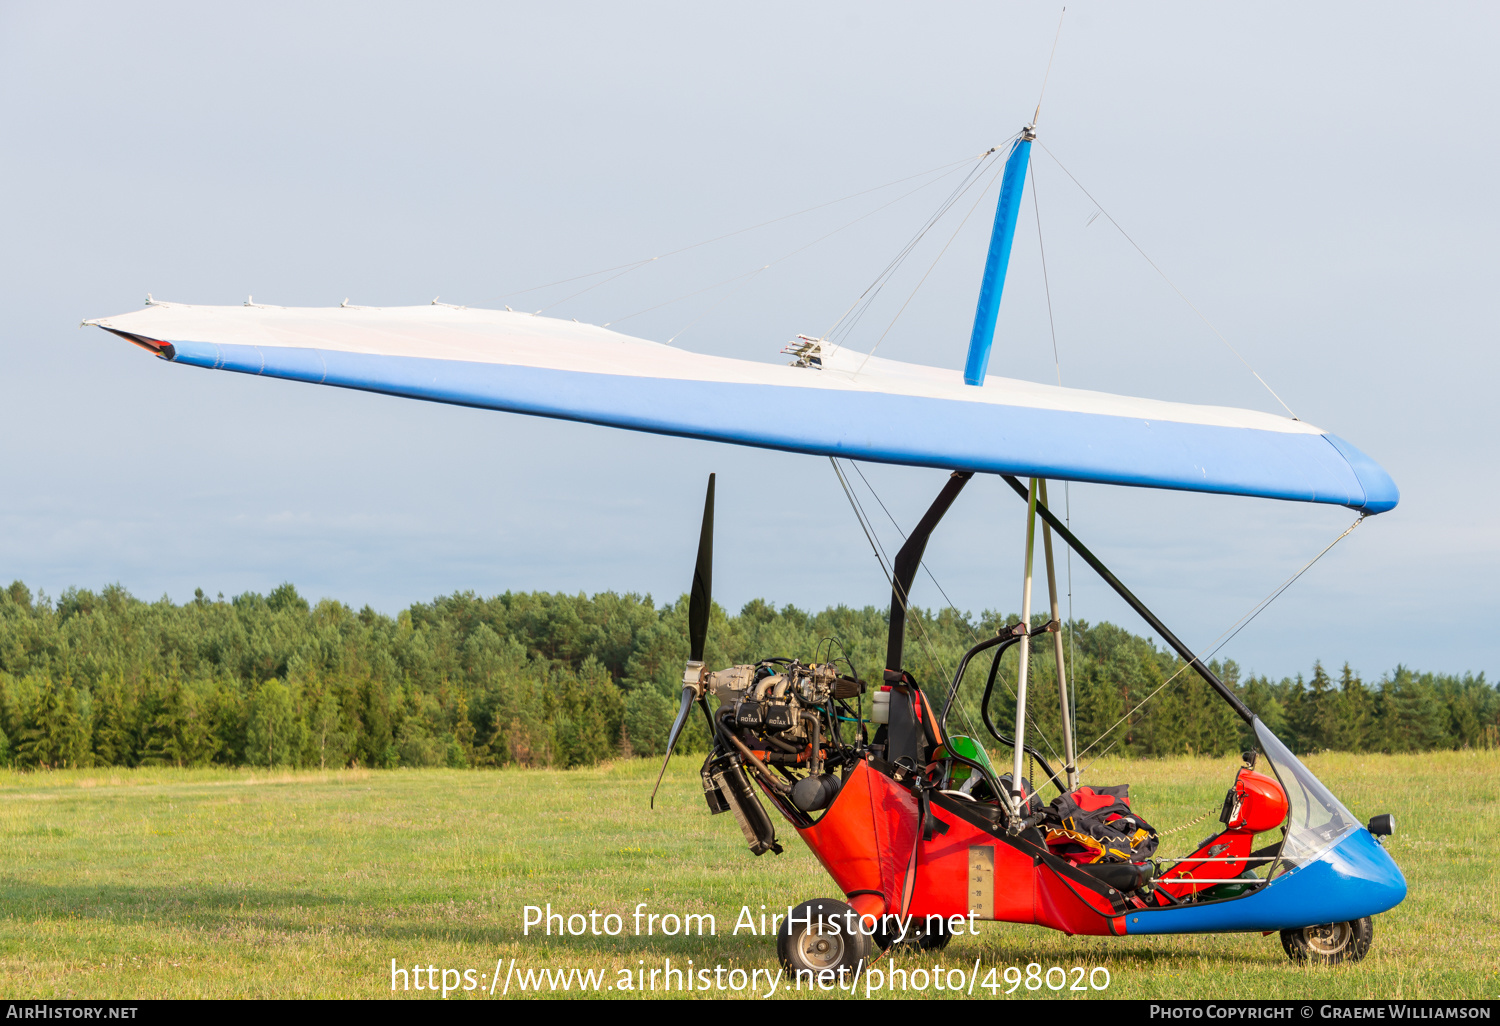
(881, 279)
(887, 565)
(973, 635)
(1038, 115)
(879, 556)
(787, 256)
(625, 268)
(1227, 636)
(638, 264)
(841, 328)
(882, 559)
(1182, 295)
(930, 269)
(867, 528)
(716, 304)
(689, 295)
(867, 298)
(1036, 206)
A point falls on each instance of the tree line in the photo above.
(540, 679)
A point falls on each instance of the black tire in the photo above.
(820, 935)
(1330, 943)
(917, 938)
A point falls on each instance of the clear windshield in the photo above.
(1317, 819)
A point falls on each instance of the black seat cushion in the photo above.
(1122, 876)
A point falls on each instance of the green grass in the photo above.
(222, 883)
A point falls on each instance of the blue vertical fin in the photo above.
(1012, 183)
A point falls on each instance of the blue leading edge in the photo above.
(880, 427)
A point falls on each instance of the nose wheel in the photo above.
(1329, 943)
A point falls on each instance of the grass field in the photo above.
(207, 883)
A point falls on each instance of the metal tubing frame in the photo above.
(1070, 756)
(1114, 582)
(1025, 656)
(963, 666)
(989, 724)
(904, 570)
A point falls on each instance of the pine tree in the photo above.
(1412, 718)
(276, 733)
(10, 711)
(114, 723)
(463, 729)
(1320, 712)
(55, 735)
(1101, 706)
(328, 741)
(1264, 699)
(375, 736)
(1350, 731)
(197, 741)
(77, 728)
(158, 725)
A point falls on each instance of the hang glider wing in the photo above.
(854, 407)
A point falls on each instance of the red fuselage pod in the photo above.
(865, 840)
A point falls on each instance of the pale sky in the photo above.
(1315, 180)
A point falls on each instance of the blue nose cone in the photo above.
(1354, 878)
(1361, 880)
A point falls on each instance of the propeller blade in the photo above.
(700, 601)
(701, 597)
(688, 695)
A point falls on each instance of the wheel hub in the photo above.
(1328, 939)
(820, 949)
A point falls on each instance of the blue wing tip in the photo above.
(1381, 493)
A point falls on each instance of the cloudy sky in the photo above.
(1316, 181)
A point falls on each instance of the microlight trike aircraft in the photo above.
(912, 821)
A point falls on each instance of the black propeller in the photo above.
(701, 596)
(700, 600)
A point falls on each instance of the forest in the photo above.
(556, 680)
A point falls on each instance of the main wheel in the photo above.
(822, 935)
(1330, 943)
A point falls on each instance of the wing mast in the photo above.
(1012, 184)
